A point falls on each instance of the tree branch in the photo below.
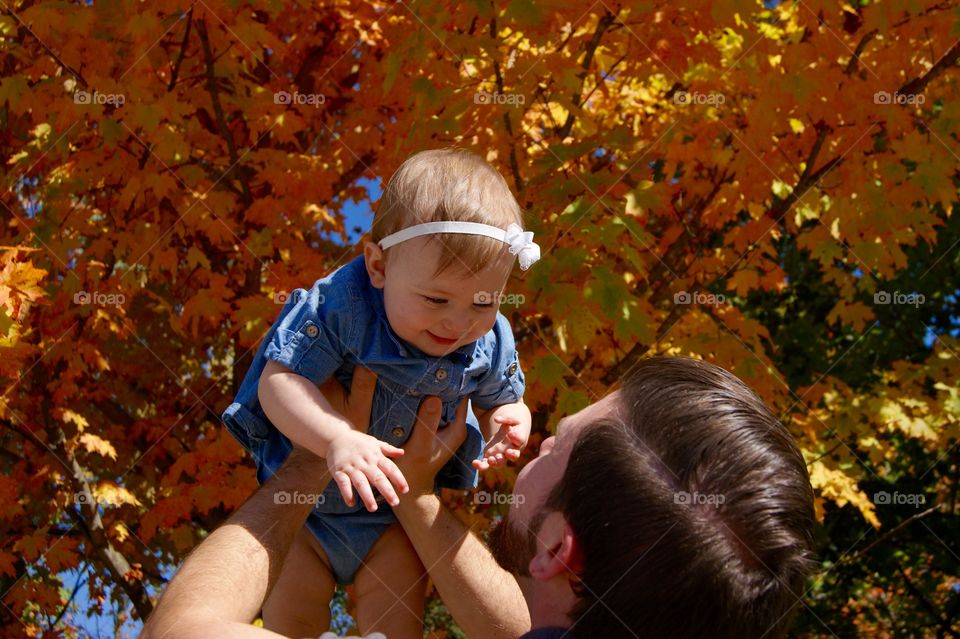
(183, 51)
(218, 110)
(864, 41)
(849, 559)
(917, 85)
(590, 49)
(508, 125)
(927, 604)
(73, 594)
(49, 51)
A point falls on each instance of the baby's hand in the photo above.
(508, 442)
(357, 459)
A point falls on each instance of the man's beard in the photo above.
(514, 549)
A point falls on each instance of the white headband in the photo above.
(520, 241)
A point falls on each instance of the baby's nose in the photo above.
(457, 325)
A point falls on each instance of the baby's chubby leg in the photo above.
(390, 588)
(299, 604)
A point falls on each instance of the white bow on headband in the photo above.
(520, 241)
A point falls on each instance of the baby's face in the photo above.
(437, 314)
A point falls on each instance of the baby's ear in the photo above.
(376, 264)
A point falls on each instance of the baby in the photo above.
(419, 308)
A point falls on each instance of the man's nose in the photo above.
(547, 445)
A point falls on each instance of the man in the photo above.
(676, 506)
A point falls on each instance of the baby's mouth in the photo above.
(446, 341)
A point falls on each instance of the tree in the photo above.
(767, 186)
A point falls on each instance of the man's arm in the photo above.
(222, 584)
(484, 599)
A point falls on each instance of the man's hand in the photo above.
(428, 450)
(356, 406)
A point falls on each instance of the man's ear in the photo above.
(558, 550)
(376, 264)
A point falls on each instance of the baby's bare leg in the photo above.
(299, 604)
(391, 588)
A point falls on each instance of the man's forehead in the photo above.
(605, 407)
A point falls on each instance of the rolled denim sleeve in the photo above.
(504, 383)
(313, 332)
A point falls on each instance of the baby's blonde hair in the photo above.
(444, 185)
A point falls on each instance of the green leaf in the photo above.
(609, 290)
(572, 402)
(550, 370)
(13, 88)
(393, 65)
(524, 12)
(110, 130)
(5, 322)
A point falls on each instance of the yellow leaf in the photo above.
(842, 488)
(892, 415)
(120, 531)
(632, 207)
(95, 444)
(107, 492)
(71, 417)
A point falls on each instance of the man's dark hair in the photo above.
(694, 511)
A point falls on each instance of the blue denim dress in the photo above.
(326, 331)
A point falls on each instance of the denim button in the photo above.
(312, 330)
(398, 432)
(512, 369)
(441, 374)
(413, 391)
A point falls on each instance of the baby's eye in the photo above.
(435, 300)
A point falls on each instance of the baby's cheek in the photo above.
(487, 325)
